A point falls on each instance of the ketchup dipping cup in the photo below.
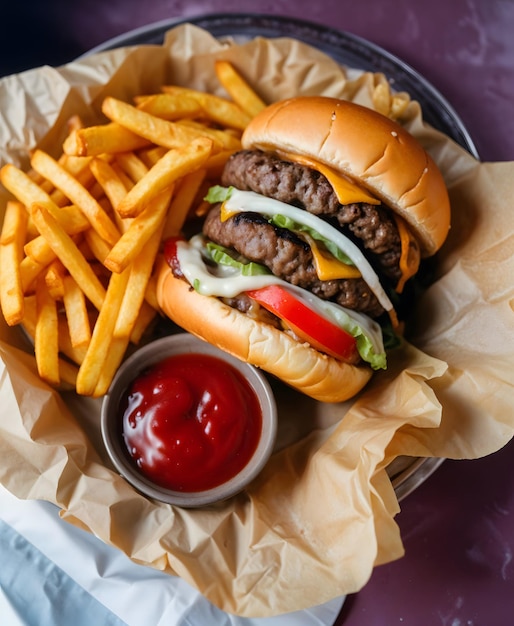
(188, 424)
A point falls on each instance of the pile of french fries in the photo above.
(82, 232)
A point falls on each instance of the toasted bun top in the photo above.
(366, 147)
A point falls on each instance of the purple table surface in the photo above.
(458, 527)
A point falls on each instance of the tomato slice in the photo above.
(317, 330)
(170, 253)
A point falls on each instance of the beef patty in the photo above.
(287, 256)
(371, 226)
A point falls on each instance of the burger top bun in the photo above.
(368, 148)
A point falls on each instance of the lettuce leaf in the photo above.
(223, 256)
(217, 193)
(286, 222)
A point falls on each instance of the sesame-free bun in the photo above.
(366, 147)
(296, 364)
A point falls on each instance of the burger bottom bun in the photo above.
(297, 364)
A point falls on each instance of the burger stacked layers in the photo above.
(320, 222)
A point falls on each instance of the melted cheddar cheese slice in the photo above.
(346, 190)
(327, 266)
(410, 255)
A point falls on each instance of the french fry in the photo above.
(134, 314)
(141, 229)
(39, 251)
(11, 253)
(238, 89)
(29, 271)
(102, 139)
(111, 183)
(155, 129)
(169, 106)
(74, 123)
(77, 193)
(75, 307)
(151, 155)
(71, 257)
(54, 279)
(68, 373)
(175, 164)
(226, 139)
(216, 163)
(14, 225)
(70, 219)
(117, 349)
(98, 247)
(140, 273)
(182, 203)
(72, 222)
(46, 340)
(101, 339)
(147, 314)
(122, 175)
(132, 165)
(76, 355)
(151, 292)
(22, 187)
(218, 109)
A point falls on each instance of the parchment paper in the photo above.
(321, 514)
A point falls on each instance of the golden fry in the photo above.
(151, 291)
(219, 110)
(71, 257)
(216, 163)
(68, 373)
(182, 203)
(75, 307)
(117, 349)
(29, 271)
(168, 106)
(11, 252)
(29, 324)
(74, 123)
(77, 193)
(140, 273)
(46, 340)
(91, 367)
(98, 247)
(102, 139)
(70, 219)
(227, 139)
(147, 314)
(173, 165)
(238, 89)
(150, 156)
(111, 183)
(22, 187)
(141, 229)
(54, 279)
(159, 131)
(132, 165)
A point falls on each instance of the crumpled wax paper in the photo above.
(321, 514)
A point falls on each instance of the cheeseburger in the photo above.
(320, 222)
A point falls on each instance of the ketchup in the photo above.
(191, 422)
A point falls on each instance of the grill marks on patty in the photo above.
(286, 254)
